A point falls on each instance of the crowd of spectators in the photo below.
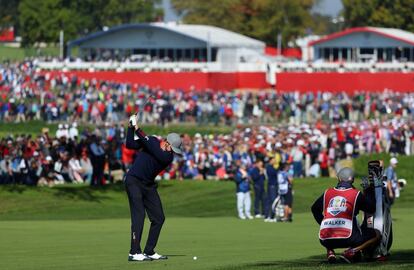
(70, 156)
(310, 131)
(65, 157)
(28, 95)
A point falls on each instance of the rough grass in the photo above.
(19, 54)
(35, 127)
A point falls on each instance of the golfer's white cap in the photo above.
(393, 161)
(175, 141)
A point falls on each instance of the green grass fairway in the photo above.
(219, 243)
(78, 227)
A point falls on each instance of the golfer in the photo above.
(153, 157)
(336, 212)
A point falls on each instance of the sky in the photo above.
(325, 7)
(329, 7)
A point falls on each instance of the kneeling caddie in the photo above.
(336, 210)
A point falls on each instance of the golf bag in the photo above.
(278, 208)
(380, 220)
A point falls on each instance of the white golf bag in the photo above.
(380, 220)
(278, 208)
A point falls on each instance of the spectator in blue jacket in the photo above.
(257, 173)
(272, 190)
(21, 110)
(243, 191)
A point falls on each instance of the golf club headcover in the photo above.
(365, 182)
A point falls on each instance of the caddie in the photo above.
(336, 210)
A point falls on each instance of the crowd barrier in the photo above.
(290, 66)
(285, 81)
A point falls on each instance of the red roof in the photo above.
(386, 32)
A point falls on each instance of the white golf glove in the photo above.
(133, 120)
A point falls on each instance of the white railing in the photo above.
(353, 66)
(390, 66)
(296, 66)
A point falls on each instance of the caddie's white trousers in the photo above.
(244, 203)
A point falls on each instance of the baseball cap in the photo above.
(346, 174)
(393, 161)
(175, 141)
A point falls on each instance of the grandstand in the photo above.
(169, 43)
(186, 56)
(365, 44)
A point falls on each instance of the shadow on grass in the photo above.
(91, 193)
(82, 193)
(86, 192)
(398, 258)
(14, 188)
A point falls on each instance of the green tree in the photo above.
(130, 11)
(224, 13)
(379, 13)
(261, 19)
(290, 18)
(9, 13)
(324, 24)
(42, 20)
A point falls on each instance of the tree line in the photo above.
(265, 19)
(42, 20)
